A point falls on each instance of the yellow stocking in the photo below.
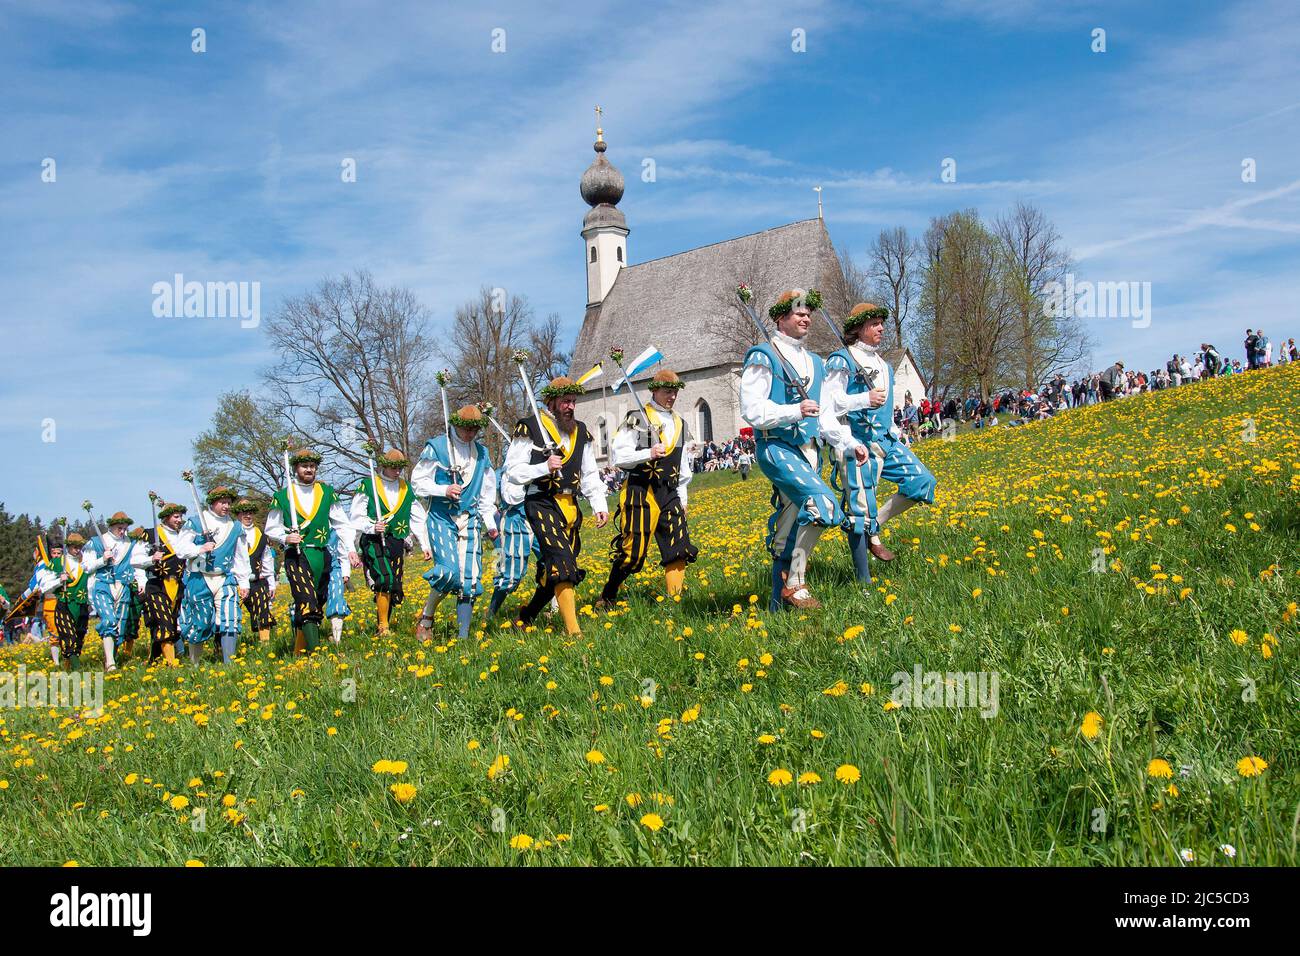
(381, 607)
(264, 635)
(675, 575)
(169, 652)
(565, 598)
(299, 642)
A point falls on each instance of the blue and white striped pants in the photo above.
(799, 495)
(112, 614)
(457, 544)
(514, 547)
(205, 612)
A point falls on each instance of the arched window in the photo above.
(593, 253)
(620, 253)
(705, 417)
(603, 433)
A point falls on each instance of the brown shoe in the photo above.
(807, 602)
(424, 629)
(879, 551)
(604, 605)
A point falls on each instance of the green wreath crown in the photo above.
(304, 454)
(458, 422)
(555, 391)
(784, 305)
(166, 511)
(857, 319)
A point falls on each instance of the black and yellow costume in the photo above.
(649, 505)
(384, 556)
(551, 508)
(258, 602)
(161, 602)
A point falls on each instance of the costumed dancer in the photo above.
(135, 594)
(456, 475)
(652, 501)
(217, 579)
(262, 580)
(304, 534)
(113, 560)
(860, 388)
(780, 389)
(516, 543)
(44, 584)
(72, 614)
(553, 457)
(164, 582)
(385, 513)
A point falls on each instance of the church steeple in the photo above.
(604, 230)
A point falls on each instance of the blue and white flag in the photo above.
(651, 356)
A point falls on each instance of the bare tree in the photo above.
(893, 272)
(353, 365)
(1036, 257)
(549, 358)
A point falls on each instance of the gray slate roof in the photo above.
(683, 303)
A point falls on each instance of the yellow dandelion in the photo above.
(779, 777)
(595, 757)
(403, 792)
(521, 841)
(848, 774)
(180, 802)
(1091, 724)
(1238, 636)
(1251, 766)
(652, 822)
(808, 778)
(1160, 768)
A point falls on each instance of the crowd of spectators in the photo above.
(1019, 407)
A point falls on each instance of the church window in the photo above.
(593, 253)
(705, 420)
(604, 436)
(620, 253)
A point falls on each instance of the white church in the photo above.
(684, 304)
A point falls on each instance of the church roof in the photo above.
(684, 303)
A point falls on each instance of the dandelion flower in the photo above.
(595, 757)
(808, 778)
(403, 792)
(766, 739)
(180, 802)
(1160, 768)
(1238, 636)
(1251, 766)
(498, 767)
(521, 841)
(1091, 724)
(848, 774)
(652, 822)
(130, 779)
(779, 777)
(633, 799)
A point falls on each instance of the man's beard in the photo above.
(565, 420)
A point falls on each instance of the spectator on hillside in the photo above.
(1112, 381)
(1250, 343)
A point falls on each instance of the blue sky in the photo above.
(225, 166)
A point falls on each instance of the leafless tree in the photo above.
(893, 274)
(354, 364)
(1035, 256)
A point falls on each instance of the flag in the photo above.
(596, 372)
(649, 357)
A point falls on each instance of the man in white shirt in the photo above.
(112, 562)
(165, 581)
(456, 475)
(216, 581)
(553, 457)
(652, 500)
(262, 579)
(385, 514)
(788, 419)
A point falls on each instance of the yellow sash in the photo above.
(317, 493)
(402, 489)
(657, 421)
(555, 437)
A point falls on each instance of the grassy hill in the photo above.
(1128, 573)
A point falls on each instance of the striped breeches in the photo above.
(308, 572)
(514, 546)
(336, 601)
(456, 541)
(799, 494)
(258, 606)
(114, 610)
(161, 604)
(887, 460)
(206, 612)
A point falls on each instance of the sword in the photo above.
(290, 498)
(374, 490)
(548, 447)
(744, 294)
(99, 532)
